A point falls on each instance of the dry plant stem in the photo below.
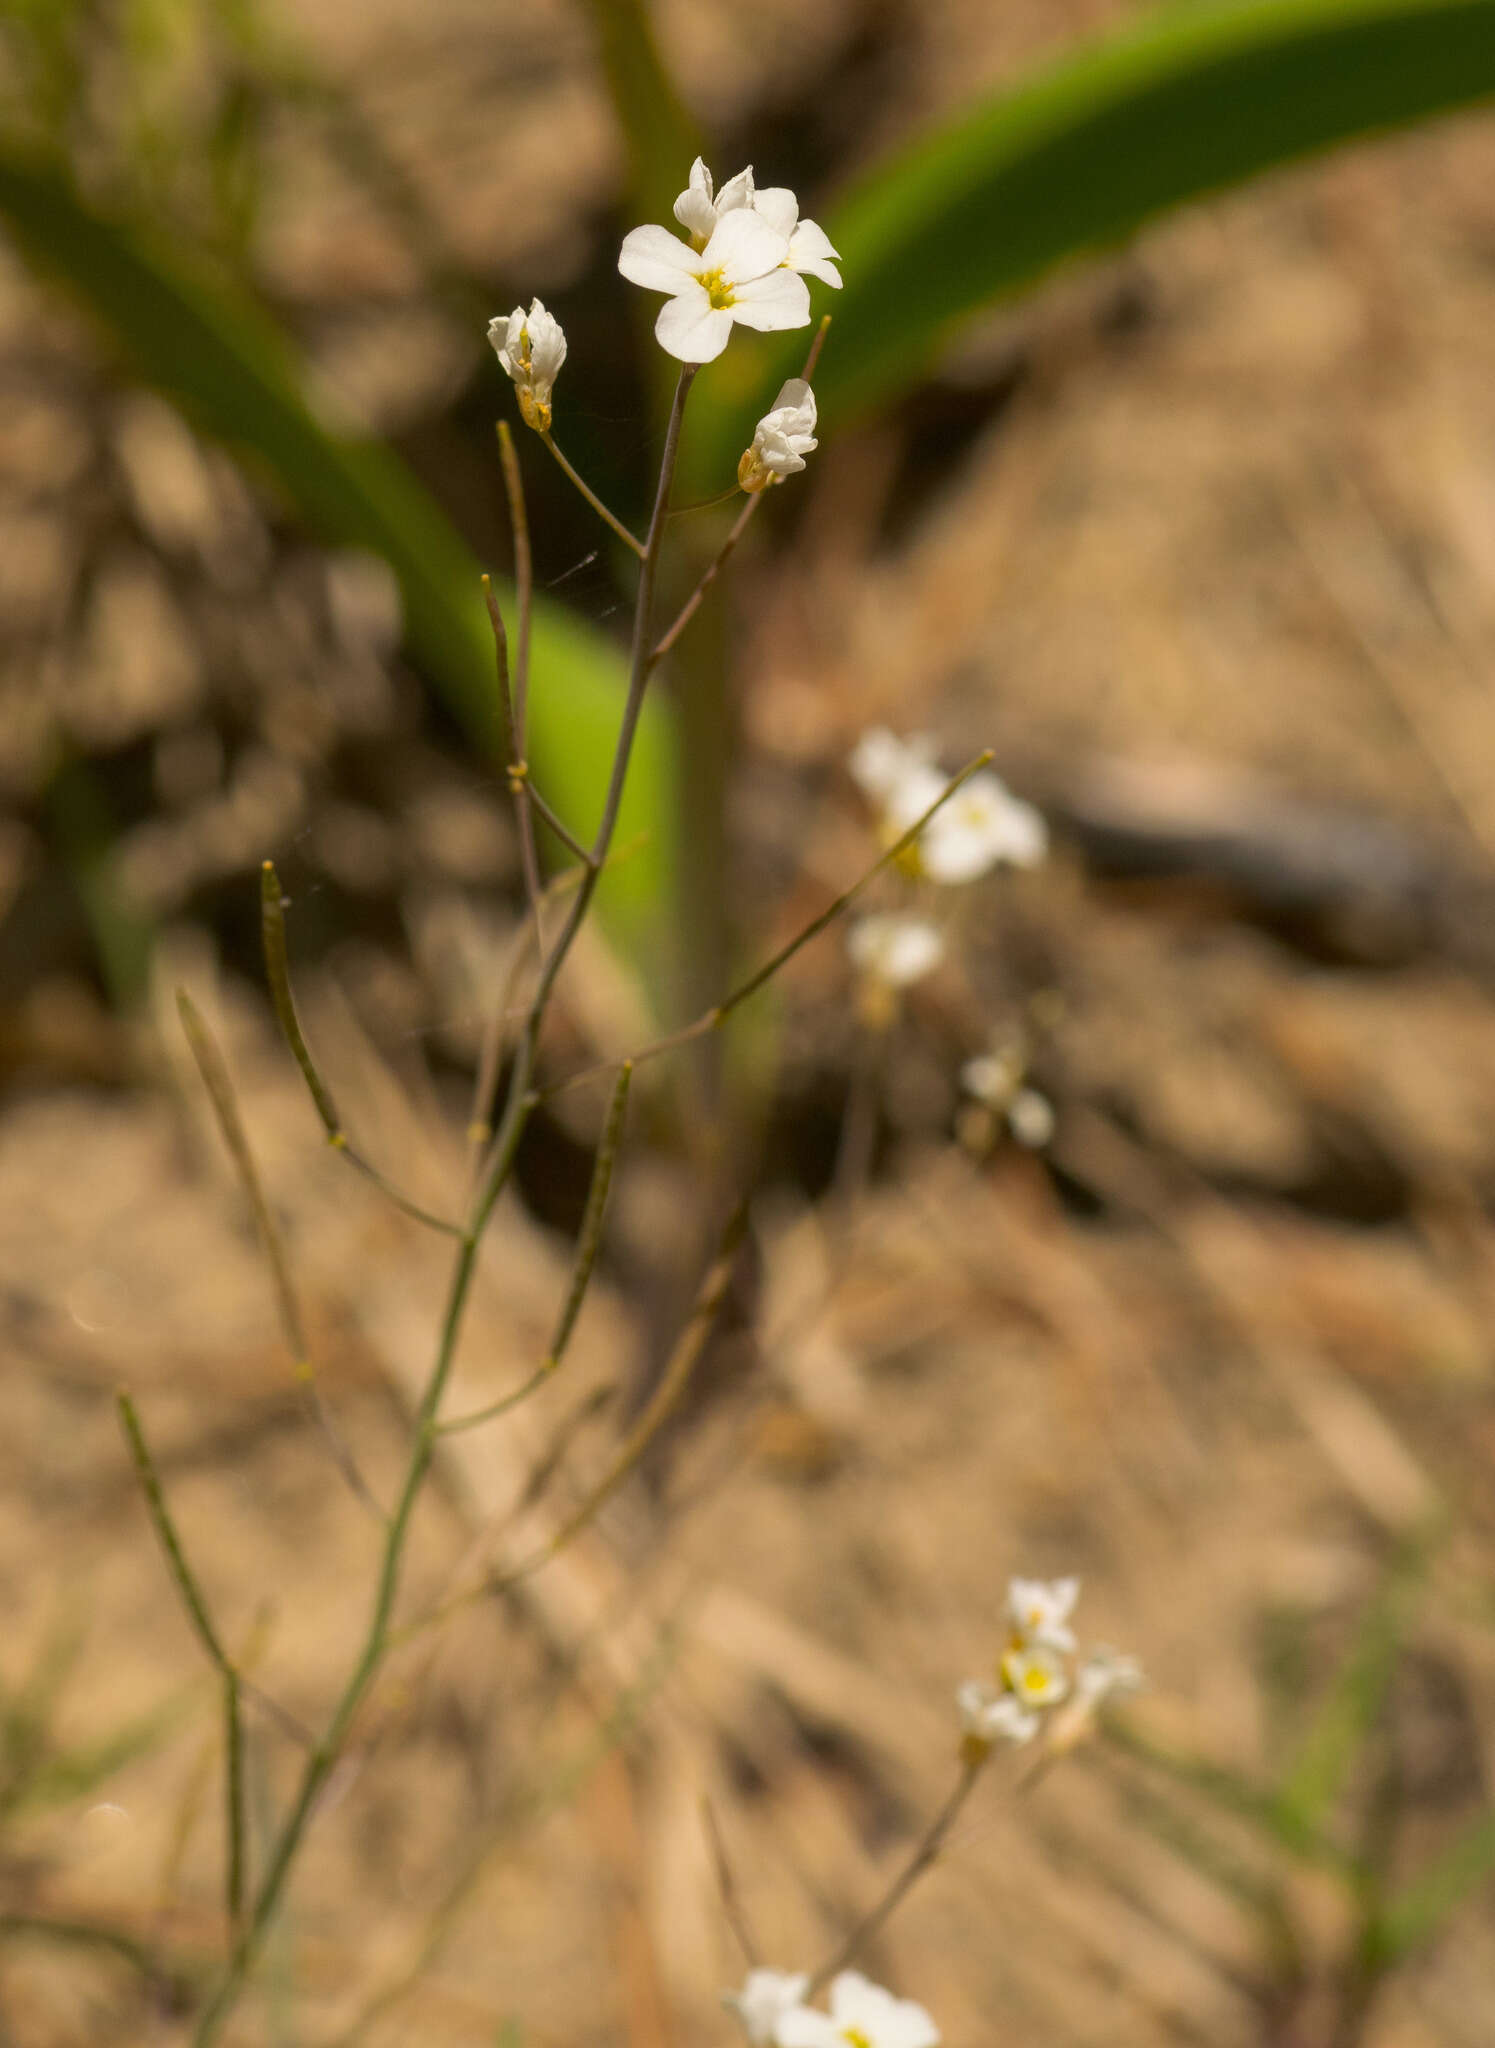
(726, 1886)
(712, 1019)
(319, 1764)
(611, 519)
(926, 1851)
(278, 974)
(214, 1072)
(524, 593)
(207, 1635)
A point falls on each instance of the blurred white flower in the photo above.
(1030, 1118)
(784, 437)
(1035, 1675)
(893, 949)
(880, 761)
(994, 1078)
(700, 207)
(1040, 1611)
(765, 1997)
(739, 276)
(1104, 1673)
(531, 346)
(983, 826)
(992, 1716)
(863, 2015)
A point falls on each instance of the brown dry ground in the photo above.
(1229, 549)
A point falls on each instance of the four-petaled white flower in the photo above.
(765, 1997)
(784, 437)
(739, 276)
(988, 1715)
(982, 827)
(700, 206)
(863, 2015)
(894, 950)
(1040, 1611)
(1035, 1676)
(531, 346)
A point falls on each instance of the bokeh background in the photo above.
(1199, 537)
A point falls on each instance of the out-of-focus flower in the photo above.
(863, 2015)
(739, 276)
(765, 1997)
(1035, 1676)
(1030, 1118)
(1039, 1610)
(893, 949)
(531, 346)
(700, 207)
(988, 1715)
(784, 437)
(1104, 1673)
(982, 826)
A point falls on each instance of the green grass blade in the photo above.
(217, 355)
(1415, 1915)
(1185, 102)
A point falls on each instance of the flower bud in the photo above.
(784, 437)
(531, 346)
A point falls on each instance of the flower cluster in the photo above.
(531, 346)
(983, 826)
(1037, 1671)
(744, 263)
(772, 2008)
(997, 1081)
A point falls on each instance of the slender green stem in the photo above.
(926, 1850)
(590, 1240)
(207, 1635)
(557, 825)
(608, 518)
(518, 1104)
(524, 592)
(693, 603)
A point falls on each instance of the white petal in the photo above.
(737, 192)
(810, 250)
(742, 247)
(803, 2027)
(691, 328)
(862, 2007)
(768, 303)
(695, 209)
(656, 259)
(764, 1998)
(778, 206)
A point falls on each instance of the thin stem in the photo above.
(278, 974)
(207, 1635)
(925, 1852)
(609, 518)
(589, 1241)
(693, 603)
(524, 591)
(518, 1105)
(561, 830)
(712, 1019)
(726, 1886)
(215, 1079)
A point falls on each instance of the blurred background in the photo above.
(1198, 534)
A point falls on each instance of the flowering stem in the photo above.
(609, 518)
(520, 1100)
(524, 588)
(925, 1853)
(693, 603)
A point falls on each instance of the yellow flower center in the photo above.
(855, 2036)
(717, 289)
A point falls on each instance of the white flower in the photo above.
(983, 826)
(880, 761)
(1104, 1673)
(894, 950)
(739, 275)
(1040, 1611)
(1035, 1675)
(700, 207)
(994, 1078)
(862, 2014)
(763, 2000)
(1030, 1118)
(784, 437)
(531, 346)
(992, 1716)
